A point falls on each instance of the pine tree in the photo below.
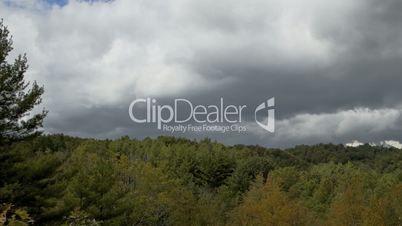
(17, 97)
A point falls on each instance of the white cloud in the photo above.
(338, 126)
(385, 143)
(354, 143)
(391, 143)
(101, 53)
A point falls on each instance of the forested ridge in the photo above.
(63, 180)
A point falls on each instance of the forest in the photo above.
(63, 180)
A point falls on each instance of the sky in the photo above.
(334, 67)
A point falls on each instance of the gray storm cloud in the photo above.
(334, 67)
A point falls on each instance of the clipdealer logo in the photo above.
(269, 106)
(184, 116)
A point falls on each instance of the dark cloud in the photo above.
(324, 63)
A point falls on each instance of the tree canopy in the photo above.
(58, 179)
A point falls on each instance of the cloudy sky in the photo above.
(334, 67)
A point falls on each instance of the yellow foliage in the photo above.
(266, 204)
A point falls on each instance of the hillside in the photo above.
(172, 181)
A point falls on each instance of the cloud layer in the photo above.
(334, 67)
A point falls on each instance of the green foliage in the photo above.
(172, 181)
(17, 99)
(9, 215)
(79, 218)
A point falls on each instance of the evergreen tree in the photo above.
(17, 97)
